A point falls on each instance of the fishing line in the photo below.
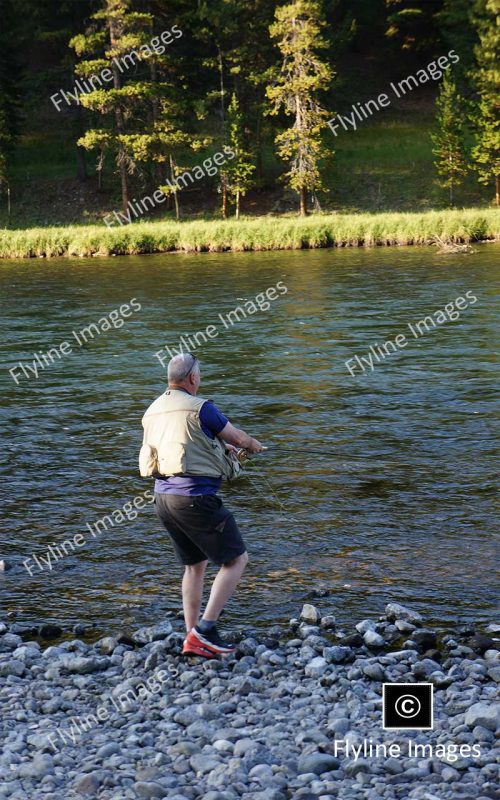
(287, 517)
(243, 457)
(282, 507)
(290, 520)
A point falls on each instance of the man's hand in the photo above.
(255, 447)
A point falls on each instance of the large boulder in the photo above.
(374, 639)
(152, 634)
(394, 611)
(317, 763)
(487, 715)
(84, 666)
(310, 614)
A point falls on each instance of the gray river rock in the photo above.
(278, 723)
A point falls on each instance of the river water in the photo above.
(396, 505)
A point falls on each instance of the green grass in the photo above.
(388, 165)
(253, 233)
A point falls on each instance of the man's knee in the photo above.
(241, 560)
(200, 566)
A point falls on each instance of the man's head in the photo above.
(184, 372)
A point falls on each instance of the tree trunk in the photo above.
(100, 166)
(238, 201)
(303, 201)
(172, 176)
(224, 197)
(124, 181)
(497, 189)
(299, 123)
(221, 70)
(155, 113)
(120, 127)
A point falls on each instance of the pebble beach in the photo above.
(292, 715)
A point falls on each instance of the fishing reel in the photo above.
(242, 455)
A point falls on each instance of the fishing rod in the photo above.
(243, 455)
(292, 447)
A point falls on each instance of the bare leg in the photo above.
(224, 585)
(192, 592)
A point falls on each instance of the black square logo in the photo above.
(407, 706)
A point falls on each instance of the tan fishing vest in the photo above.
(174, 442)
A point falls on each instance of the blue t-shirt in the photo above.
(212, 421)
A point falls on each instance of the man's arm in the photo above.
(238, 438)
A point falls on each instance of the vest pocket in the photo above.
(174, 462)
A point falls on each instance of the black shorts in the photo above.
(201, 528)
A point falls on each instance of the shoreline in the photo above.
(254, 234)
(292, 715)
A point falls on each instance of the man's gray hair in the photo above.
(180, 366)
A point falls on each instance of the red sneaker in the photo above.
(207, 645)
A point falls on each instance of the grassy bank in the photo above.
(256, 233)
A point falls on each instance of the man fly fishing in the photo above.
(189, 447)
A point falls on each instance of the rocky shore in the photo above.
(296, 714)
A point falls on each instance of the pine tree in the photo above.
(137, 106)
(486, 152)
(449, 143)
(486, 77)
(115, 32)
(240, 169)
(249, 60)
(218, 26)
(297, 31)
